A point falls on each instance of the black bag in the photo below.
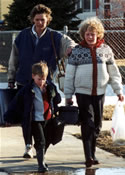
(69, 114)
(58, 129)
(54, 130)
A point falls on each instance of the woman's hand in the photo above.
(69, 101)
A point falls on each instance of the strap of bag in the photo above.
(62, 63)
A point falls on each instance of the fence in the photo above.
(114, 38)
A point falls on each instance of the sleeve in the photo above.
(13, 63)
(53, 93)
(57, 97)
(66, 42)
(13, 114)
(69, 87)
(114, 75)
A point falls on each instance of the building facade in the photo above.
(102, 8)
(88, 8)
(113, 13)
(111, 8)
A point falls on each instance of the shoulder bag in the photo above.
(61, 67)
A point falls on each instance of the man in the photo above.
(32, 45)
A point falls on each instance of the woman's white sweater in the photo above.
(90, 70)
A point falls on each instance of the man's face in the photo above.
(40, 21)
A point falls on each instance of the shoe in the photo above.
(42, 166)
(89, 163)
(95, 161)
(28, 152)
(43, 170)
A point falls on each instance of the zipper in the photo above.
(94, 75)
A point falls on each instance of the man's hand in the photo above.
(69, 51)
(11, 85)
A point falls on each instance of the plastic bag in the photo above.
(118, 124)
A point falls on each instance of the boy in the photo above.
(32, 103)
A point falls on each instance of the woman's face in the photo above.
(40, 21)
(91, 37)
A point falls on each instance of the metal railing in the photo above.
(114, 37)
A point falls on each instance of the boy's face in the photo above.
(39, 80)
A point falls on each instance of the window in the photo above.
(89, 5)
(94, 5)
(106, 1)
(86, 5)
(107, 12)
(79, 4)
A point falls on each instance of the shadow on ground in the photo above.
(100, 171)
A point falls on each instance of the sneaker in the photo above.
(28, 152)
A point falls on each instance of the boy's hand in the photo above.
(7, 124)
(121, 97)
(43, 88)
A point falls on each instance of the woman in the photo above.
(91, 66)
(32, 45)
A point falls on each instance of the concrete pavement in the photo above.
(66, 155)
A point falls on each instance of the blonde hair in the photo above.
(40, 69)
(93, 24)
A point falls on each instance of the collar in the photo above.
(83, 43)
(34, 32)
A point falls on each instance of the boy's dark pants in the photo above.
(39, 142)
(91, 110)
(37, 131)
(27, 135)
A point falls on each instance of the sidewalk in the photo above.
(66, 155)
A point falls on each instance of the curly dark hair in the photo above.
(40, 9)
